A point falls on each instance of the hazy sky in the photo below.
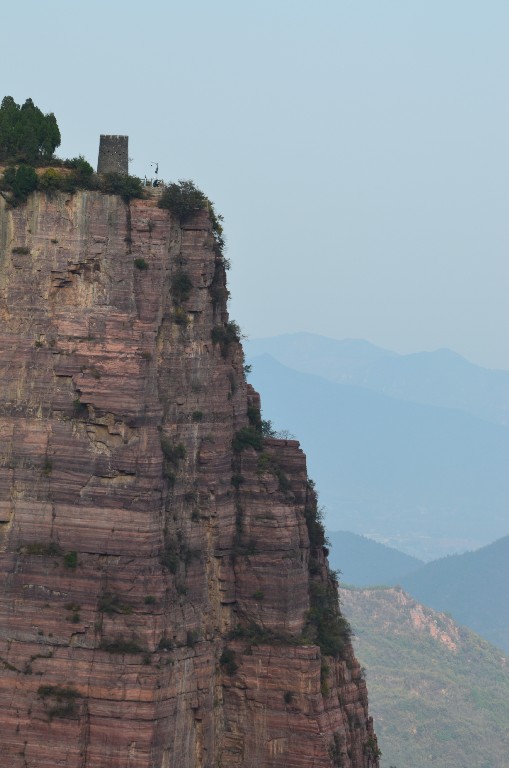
(358, 149)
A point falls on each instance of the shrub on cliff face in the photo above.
(226, 334)
(192, 638)
(267, 428)
(372, 750)
(325, 625)
(173, 452)
(62, 698)
(183, 199)
(25, 182)
(121, 645)
(247, 437)
(313, 514)
(268, 463)
(219, 293)
(228, 662)
(255, 418)
(170, 557)
(258, 635)
(21, 182)
(112, 604)
(180, 317)
(181, 286)
(37, 548)
(218, 232)
(71, 560)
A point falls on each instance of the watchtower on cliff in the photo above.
(113, 154)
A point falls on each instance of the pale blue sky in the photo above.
(358, 149)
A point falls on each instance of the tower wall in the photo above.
(113, 154)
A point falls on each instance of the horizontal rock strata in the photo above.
(164, 587)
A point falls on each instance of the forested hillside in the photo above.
(439, 693)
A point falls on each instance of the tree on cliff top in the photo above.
(26, 134)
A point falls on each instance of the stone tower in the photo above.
(113, 155)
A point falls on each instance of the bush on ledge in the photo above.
(183, 198)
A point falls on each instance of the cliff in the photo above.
(166, 598)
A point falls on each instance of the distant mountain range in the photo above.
(472, 587)
(366, 563)
(425, 478)
(441, 378)
(439, 694)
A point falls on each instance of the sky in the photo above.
(357, 149)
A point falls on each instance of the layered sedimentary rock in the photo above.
(166, 599)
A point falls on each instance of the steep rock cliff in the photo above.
(164, 574)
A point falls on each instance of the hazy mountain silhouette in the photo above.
(442, 378)
(364, 562)
(428, 480)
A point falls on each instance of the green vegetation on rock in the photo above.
(247, 437)
(226, 334)
(61, 699)
(183, 198)
(325, 625)
(22, 181)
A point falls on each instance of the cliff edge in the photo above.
(166, 600)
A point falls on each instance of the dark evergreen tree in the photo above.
(26, 134)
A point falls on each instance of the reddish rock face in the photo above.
(166, 597)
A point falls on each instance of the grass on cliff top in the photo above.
(433, 704)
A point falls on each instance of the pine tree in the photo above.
(26, 134)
